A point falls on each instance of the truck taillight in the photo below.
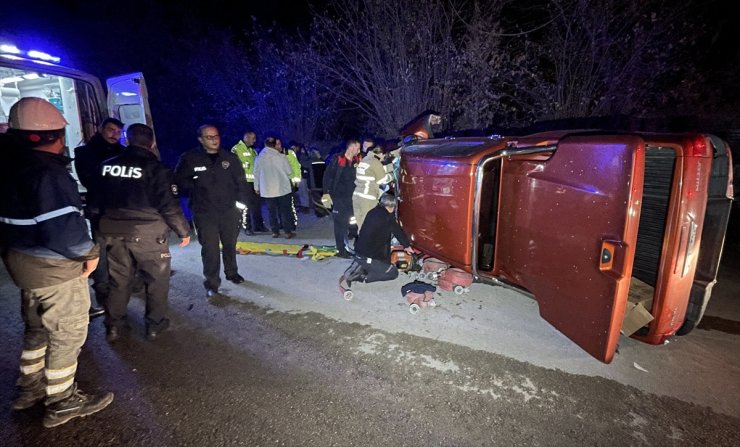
(697, 147)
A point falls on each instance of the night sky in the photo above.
(105, 37)
(79, 31)
(72, 29)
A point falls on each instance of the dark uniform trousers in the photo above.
(342, 215)
(214, 229)
(377, 270)
(148, 255)
(99, 276)
(255, 221)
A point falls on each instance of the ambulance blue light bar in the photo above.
(8, 49)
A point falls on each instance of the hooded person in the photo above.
(372, 261)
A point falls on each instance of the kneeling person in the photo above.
(138, 206)
(373, 247)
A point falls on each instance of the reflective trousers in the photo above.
(282, 213)
(361, 206)
(56, 320)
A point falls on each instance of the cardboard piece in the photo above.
(635, 318)
(639, 300)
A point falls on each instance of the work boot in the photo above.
(96, 311)
(153, 330)
(76, 404)
(354, 272)
(236, 278)
(112, 333)
(31, 390)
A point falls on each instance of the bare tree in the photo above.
(266, 85)
(605, 57)
(287, 98)
(488, 70)
(388, 59)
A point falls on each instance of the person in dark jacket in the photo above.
(373, 246)
(102, 146)
(138, 204)
(47, 250)
(215, 181)
(339, 184)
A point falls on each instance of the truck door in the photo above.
(128, 99)
(567, 231)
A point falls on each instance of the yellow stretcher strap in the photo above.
(315, 252)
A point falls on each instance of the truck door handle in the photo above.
(611, 258)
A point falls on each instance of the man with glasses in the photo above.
(215, 182)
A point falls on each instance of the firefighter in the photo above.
(215, 181)
(138, 206)
(47, 250)
(338, 184)
(373, 247)
(252, 216)
(374, 173)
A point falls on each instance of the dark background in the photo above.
(107, 38)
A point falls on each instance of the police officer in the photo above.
(138, 205)
(46, 248)
(252, 216)
(216, 183)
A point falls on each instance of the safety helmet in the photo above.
(35, 114)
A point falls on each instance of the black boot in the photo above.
(73, 404)
(153, 330)
(32, 389)
(354, 272)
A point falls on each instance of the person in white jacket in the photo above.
(272, 174)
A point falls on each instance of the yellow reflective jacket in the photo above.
(295, 166)
(246, 155)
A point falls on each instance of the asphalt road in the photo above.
(284, 360)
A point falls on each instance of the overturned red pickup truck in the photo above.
(581, 220)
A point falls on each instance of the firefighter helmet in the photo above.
(36, 114)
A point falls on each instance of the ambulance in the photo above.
(78, 95)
